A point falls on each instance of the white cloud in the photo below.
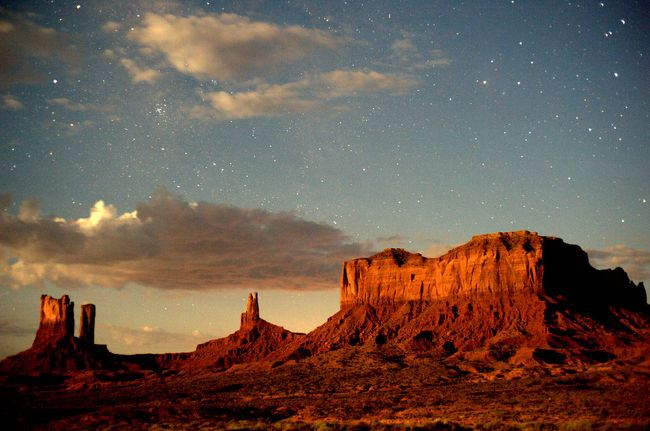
(270, 102)
(140, 73)
(227, 46)
(309, 94)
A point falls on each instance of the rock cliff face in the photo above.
(252, 314)
(514, 296)
(498, 265)
(87, 327)
(57, 320)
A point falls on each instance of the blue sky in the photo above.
(240, 146)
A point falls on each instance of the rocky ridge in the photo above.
(255, 340)
(514, 297)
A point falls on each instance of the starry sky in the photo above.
(161, 159)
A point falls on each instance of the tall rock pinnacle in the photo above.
(87, 324)
(57, 320)
(252, 314)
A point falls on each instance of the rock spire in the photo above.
(252, 314)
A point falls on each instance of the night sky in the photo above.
(162, 159)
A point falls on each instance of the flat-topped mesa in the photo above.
(57, 320)
(252, 314)
(87, 325)
(499, 265)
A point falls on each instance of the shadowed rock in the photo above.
(87, 325)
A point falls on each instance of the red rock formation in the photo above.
(254, 341)
(252, 314)
(507, 295)
(497, 265)
(87, 324)
(57, 320)
(55, 349)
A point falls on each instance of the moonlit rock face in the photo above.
(252, 314)
(501, 265)
(57, 319)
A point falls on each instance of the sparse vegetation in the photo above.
(358, 388)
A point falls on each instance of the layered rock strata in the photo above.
(497, 265)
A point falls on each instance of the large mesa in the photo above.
(502, 264)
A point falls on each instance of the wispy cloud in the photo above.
(68, 104)
(168, 243)
(140, 73)
(227, 46)
(11, 103)
(309, 94)
(407, 54)
(634, 261)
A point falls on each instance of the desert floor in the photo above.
(369, 387)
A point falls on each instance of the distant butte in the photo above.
(515, 297)
(500, 265)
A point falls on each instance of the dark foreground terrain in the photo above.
(364, 387)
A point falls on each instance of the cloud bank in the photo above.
(635, 262)
(168, 243)
(238, 56)
(227, 46)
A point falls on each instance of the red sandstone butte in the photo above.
(511, 296)
(56, 322)
(497, 265)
